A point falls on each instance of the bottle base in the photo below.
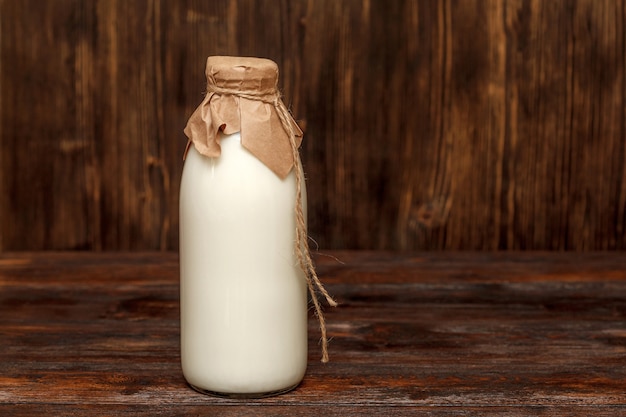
(243, 396)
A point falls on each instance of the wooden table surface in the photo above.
(502, 334)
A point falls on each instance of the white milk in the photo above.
(243, 298)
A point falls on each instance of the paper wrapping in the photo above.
(242, 96)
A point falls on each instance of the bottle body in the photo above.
(243, 297)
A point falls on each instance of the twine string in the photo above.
(302, 249)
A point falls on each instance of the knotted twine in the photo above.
(302, 249)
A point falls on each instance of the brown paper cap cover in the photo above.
(242, 96)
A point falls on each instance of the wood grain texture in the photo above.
(434, 334)
(453, 124)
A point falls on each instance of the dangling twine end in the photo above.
(330, 300)
(322, 320)
(301, 243)
(314, 281)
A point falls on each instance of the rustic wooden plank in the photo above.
(278, 410)
(429, 125)
(434, 333)
(42, 157)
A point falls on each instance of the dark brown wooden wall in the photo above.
(430, 124)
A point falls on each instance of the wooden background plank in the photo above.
(467, 124)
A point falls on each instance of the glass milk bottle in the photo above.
(243, 287)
